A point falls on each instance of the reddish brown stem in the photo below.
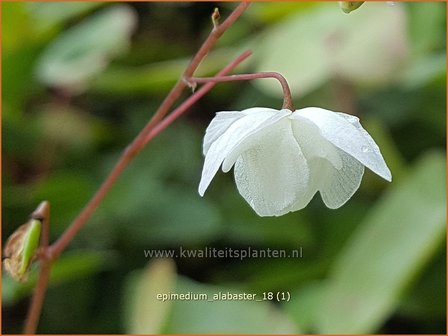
(176, 91)
(287, 98)
(127, 156)
(37, 300)
(139, 142)
(42, 213)
(52, 252)
(194, 98)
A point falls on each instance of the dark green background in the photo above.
(60, 142)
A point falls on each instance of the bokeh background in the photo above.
(81, 79)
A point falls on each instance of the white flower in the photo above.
(283, 158)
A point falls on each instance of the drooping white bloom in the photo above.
(283, 158)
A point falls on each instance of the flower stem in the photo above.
(287, 98)
(194, 98)
(57, 247)
(42, 213)
(139, 142)
(50, 253)
(176, 91)
(37, 300)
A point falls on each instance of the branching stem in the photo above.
(48, 254)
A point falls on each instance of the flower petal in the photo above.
(250, 141)
(273, 174)
(219, 124)
(338, 185)
(240, 129)
(345, 132)
(222, 121)
(312, 143)
(302, 201)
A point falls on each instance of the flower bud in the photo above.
(350, 6)
(20, 249)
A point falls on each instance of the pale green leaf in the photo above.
(69, 267)
(47, 15)
(391, 246)
(304, 305)
(224, 316)
(157, 77)
(85, 49)
(425, 70)
(367, 47)
(427, 21)
(144, 313)
(269, 12)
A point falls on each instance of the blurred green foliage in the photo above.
(81, 79)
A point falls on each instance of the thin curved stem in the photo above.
(287, 98)
(139, 142)
(176, 91)
(37, 300)
(55, 249)
(50, 253)
(59, 245)
(194, 98)
(42, 213)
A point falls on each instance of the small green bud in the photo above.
(350, 6)
(20, 249)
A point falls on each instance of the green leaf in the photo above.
(162, 214)
(426, 26)
(157, 77)
(67, 193)
(68, 127)
(144, 314)
(16, 25)
(367, 47)
(20, 49)
(304, 307)
(222, 316)
(155, 201)
(84, 50)
(396, 240)
(424, 71)
(70, 266)
(269, 12)
(244, 226)
(48, 15)
(427, 300)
